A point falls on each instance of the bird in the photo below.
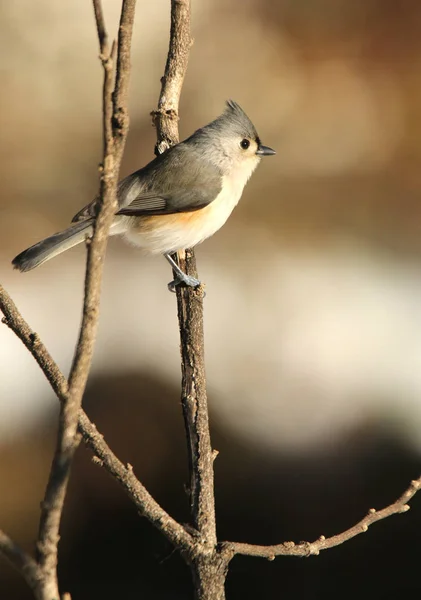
(178, 200)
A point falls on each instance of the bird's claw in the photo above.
(188, 280)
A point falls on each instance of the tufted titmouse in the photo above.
(176, 201)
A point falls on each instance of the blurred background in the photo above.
(313, 306)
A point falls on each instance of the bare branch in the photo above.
(121, 90)
(100, 26)
(166, 117)
(139, 495)
(195, 409)
(14, 320)
(143, 501)
(24, 563)
(314, 548)
(209, 560)
(209, 563)
(190, 302)
(67, 438)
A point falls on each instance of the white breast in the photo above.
(169, 233)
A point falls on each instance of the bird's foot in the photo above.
(187, 280)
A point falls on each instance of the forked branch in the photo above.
(143, 501)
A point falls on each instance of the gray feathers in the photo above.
(184, 179)
(232, 123)
(177, 181)
(53, 245)
(236, 120)
(180, 180)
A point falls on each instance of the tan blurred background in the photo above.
(313, 307)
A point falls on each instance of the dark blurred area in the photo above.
(313, 300)
(108, 551)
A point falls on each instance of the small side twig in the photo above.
(314, 548)
(100, 26)
(24, 563)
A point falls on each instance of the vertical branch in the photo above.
(121, 90)
(67, 439)
(209, 564)
(190, 302)
(100, 26)
(166, 116)
(195, 408)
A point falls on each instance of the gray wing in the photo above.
(180, 180)
(124, 191)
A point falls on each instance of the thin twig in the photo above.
(24, 563)
(314, 548)
(143, 501)
(100, 26)
(67, 440)
(166, 116)
(121, 90)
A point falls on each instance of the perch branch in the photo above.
(190, 302)
(314, 548)
(208, 562)
(165, 117)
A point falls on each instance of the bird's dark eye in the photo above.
(245, 144)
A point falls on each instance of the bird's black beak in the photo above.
(264, 151)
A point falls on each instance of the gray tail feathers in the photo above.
(53, 245)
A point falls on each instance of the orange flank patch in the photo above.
(147, 224)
